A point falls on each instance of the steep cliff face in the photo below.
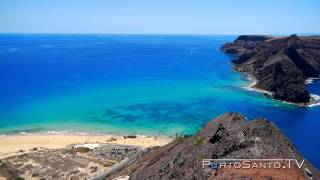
(228, 136)
(244, 43)
(280, 65)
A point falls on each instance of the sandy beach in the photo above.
(18, 144)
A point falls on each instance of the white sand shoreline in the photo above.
(251, 87)
(18, 143)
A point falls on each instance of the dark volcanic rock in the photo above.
(280, 65)
(254, 38)
(243, 44)
(228, 136)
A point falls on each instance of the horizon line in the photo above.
(199, 34)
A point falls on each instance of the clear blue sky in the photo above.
(161, 16)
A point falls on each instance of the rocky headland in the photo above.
(228, 136)
(279, 65)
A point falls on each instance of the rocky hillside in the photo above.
(243, 44)
(280, 65)
(228, 136)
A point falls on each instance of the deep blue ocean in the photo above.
(142, 84)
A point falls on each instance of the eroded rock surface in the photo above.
(228, 136)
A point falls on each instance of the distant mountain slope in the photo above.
(228, 136)
(280, 65)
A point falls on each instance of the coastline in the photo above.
(17, 144)
(314, 100)
(267, 65)
(251, 87)
(311, 80)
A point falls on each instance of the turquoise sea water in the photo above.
(141, 84)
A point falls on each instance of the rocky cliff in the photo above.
(280, 65)
(243, 44)
(228, 136)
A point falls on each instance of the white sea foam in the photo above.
(72, 132)
(316, 98)
(253, 82)
(56, 132)
(64, 132)
(82, 133)
(250, 88)
(50, 132)
(311, 80)
(25, 133)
